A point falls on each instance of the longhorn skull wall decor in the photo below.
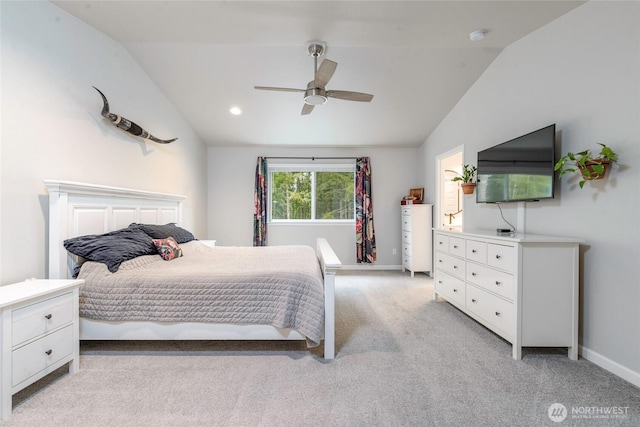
(126, 124)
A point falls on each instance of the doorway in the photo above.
(449, 193)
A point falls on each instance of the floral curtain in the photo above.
(365, 236)
(260, 204)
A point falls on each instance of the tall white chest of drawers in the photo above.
(523, 287)
(39, 326)
(416, 238)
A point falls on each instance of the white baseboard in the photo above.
(371, 267)
(611, 366)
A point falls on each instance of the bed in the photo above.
(79, 209)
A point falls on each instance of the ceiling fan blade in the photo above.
(306, 109)
(325, 72)
(349, 96)
(281, 89)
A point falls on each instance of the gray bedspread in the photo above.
(275, 285)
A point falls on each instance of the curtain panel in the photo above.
(260, 204)
(365, 235)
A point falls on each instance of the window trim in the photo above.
(308, 167)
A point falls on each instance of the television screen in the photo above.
(518, 170)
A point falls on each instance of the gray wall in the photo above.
(52, 129)
(582, 73)
(231, 182)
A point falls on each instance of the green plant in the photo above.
(584, 163)
(468, 174)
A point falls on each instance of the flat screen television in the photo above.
(518, 170)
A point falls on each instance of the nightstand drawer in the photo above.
(40, 354)
(37, 319)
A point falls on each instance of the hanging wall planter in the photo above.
(468, 175)
(468, 187)
(585, 164)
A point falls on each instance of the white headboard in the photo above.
(76, 209)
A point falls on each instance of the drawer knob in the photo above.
(473, 273)
(439, 260)
(439, 281)
(473, 300)
(455, 266)
(48, 316)
(455, 290)
(498, 283)
(498, 257)
(455, 246)
(440, 243)
(497, 313)
(48, 352)
(473, 251)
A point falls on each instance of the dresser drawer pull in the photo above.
(455, 246)
(497, 313)
(48, 352)
(473, 273)
(48, 316)
(439, 260)
(455, 266)
(440, 243)
(498, 256)
(473, 300)
(455, 290)
(498, 283)
(439, 281)
(473, 251)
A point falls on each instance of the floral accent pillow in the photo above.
(168, 248)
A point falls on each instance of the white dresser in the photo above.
(39, 326)
(523, 287)
(416, 238)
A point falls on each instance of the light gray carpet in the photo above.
(403, 360)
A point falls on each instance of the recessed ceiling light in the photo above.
(236, 111)
(477, 35)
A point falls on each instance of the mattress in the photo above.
(280, 286)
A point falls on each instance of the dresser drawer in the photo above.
(406, 249)
(406, 223)
(37, 319)
(406, 236)
(406, 261)
(450, 264)
(477, 251)
(451, 288)
(490, 279)
(501, 256)
(441, 243)
(456, 246)
(491, 308)
(406, 211)
(32, 358)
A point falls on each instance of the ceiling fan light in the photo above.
(315, 99)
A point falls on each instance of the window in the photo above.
(311, 192)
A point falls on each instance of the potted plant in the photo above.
(584, 163)
(467, 178)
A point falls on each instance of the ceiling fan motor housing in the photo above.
(314, 95)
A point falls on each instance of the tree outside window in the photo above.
(312, 195)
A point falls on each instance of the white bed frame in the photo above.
(77, 209)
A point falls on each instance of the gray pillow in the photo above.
(112, 248)
(163, 231)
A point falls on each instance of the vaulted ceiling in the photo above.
(415, 57)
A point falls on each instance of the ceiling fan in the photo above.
(315, 93)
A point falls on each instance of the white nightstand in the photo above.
(40, 333)
(210, 243)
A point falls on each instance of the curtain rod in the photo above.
(313, 158)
